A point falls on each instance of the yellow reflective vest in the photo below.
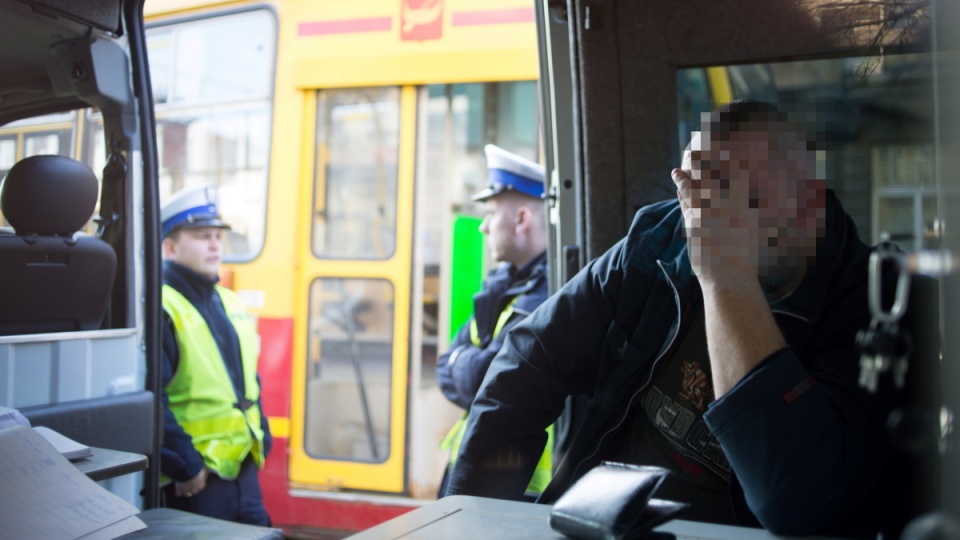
(201, 395)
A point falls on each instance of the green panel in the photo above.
(467, 270)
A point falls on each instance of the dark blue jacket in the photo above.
(805, 458)
(460, 371)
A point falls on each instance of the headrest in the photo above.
(510, 172)
(49, 195)
(192, 207)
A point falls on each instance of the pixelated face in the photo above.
(199, 249)
(760, 184)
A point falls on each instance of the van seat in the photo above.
(51, 278)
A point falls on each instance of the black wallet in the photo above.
(613, 502)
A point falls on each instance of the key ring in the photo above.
(885, 252)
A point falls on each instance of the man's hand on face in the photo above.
(725, 200)
(720, 215)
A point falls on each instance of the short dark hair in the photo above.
(749, 108)
(787, 132)
(743, 115)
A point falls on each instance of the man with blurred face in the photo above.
(716, 340)
(216, 435)
(753, 210)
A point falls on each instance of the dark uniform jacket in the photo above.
(804, 441)
(462, 368)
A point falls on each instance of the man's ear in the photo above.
(168, 248)
(522, 218)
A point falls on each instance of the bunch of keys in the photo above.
(884, 347)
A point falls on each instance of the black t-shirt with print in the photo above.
(668, 430)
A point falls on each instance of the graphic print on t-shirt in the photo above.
(696, 388)
(677, 399)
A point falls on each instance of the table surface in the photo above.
(481, 518)
(106, 463)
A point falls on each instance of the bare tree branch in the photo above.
(874, 26)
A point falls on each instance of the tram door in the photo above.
(349, 417)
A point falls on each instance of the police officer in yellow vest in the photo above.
(516, 236)
(216, 436)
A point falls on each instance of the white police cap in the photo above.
(510, 172)
(191, 207)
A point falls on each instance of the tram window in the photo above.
(8, 153)
(227, 57)
(160, 43)
(873, 119)
(55, 142)
(349, 369)
(212, 81)
(455, 122)
(355, 174)
(46, 134)
(473, 115)
(8, 156)
(96, 153)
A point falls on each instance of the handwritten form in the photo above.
(45, 496)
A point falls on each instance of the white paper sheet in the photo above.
(45, 496)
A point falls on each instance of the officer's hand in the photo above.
(193, 486)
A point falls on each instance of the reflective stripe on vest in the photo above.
(201, 394)
(501, 322)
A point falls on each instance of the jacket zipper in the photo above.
(676, 299)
